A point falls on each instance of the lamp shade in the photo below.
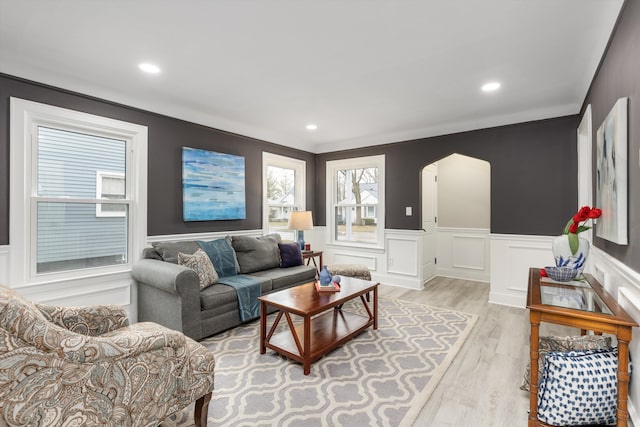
(300, 220)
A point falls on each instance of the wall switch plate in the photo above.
(408, 210)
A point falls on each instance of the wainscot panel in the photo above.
(511, 257)
(397, 264)
(463, 253)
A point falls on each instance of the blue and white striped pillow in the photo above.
(579, 388)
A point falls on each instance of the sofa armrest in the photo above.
(165, 276)
(92, 321)
(168, 294)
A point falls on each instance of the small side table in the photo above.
(311, 256)
(599, 313)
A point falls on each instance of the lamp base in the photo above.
(301, 239)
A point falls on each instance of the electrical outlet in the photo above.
(390, 261)
(408, 210)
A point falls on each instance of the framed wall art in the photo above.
(213, 186)
(611, 174)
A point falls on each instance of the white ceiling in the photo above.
(366, 72)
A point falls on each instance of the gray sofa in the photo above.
(170, 294)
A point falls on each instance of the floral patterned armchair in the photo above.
(87, 366)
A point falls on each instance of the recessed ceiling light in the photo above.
(149, 68)
(490, 87)
(312, 126)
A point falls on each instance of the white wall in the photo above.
(464, 192)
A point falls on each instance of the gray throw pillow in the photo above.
(257, 253)
(169, 250)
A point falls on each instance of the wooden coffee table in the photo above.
(326, 325)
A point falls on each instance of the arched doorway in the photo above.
(456, 214)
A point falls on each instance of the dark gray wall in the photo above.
(619, 76)
(166, 138)
(533, 174)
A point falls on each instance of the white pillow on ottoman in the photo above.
(579, 388)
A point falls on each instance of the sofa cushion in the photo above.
(290, 254)
(201, 264)
(285, 277)
(257, 253)
(168, 251)
(222, 256)
(223, 298)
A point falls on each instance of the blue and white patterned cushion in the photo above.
(579, 388)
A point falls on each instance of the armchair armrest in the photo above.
(28, 324)
(92, 321)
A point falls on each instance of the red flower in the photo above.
(573, 228)
(583, 214)
(595, 213)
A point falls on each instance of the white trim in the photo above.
(25, 116)
(202, 236)
(300, 169)
(332, 167)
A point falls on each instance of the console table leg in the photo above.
(624, 337)
(533, 381)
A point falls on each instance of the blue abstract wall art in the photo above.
(212, 186)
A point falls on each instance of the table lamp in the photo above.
(300, 221)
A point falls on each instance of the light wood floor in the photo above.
(481, 387)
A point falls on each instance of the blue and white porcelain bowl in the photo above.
(561, 274)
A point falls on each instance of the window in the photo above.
(110, 185)
(284, 189)
(355, 189)
(78, 199)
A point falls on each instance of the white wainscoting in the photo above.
(4, 265)
(110, 288)
(624, 284)
(463, 253)
(202, 236)
(397, 264)
(511, 257)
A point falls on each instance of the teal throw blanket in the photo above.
(248, 290)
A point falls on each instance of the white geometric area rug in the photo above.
(381, 377)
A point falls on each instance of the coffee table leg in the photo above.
(375, 308)
(307, 345)
(263, 327)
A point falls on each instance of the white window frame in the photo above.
(26, 117)
(333, 166)
(99, 176)
(300, 170)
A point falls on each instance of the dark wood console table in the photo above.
(598, 312)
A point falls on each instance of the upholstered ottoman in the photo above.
(359, 271)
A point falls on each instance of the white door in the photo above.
(429, 214)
